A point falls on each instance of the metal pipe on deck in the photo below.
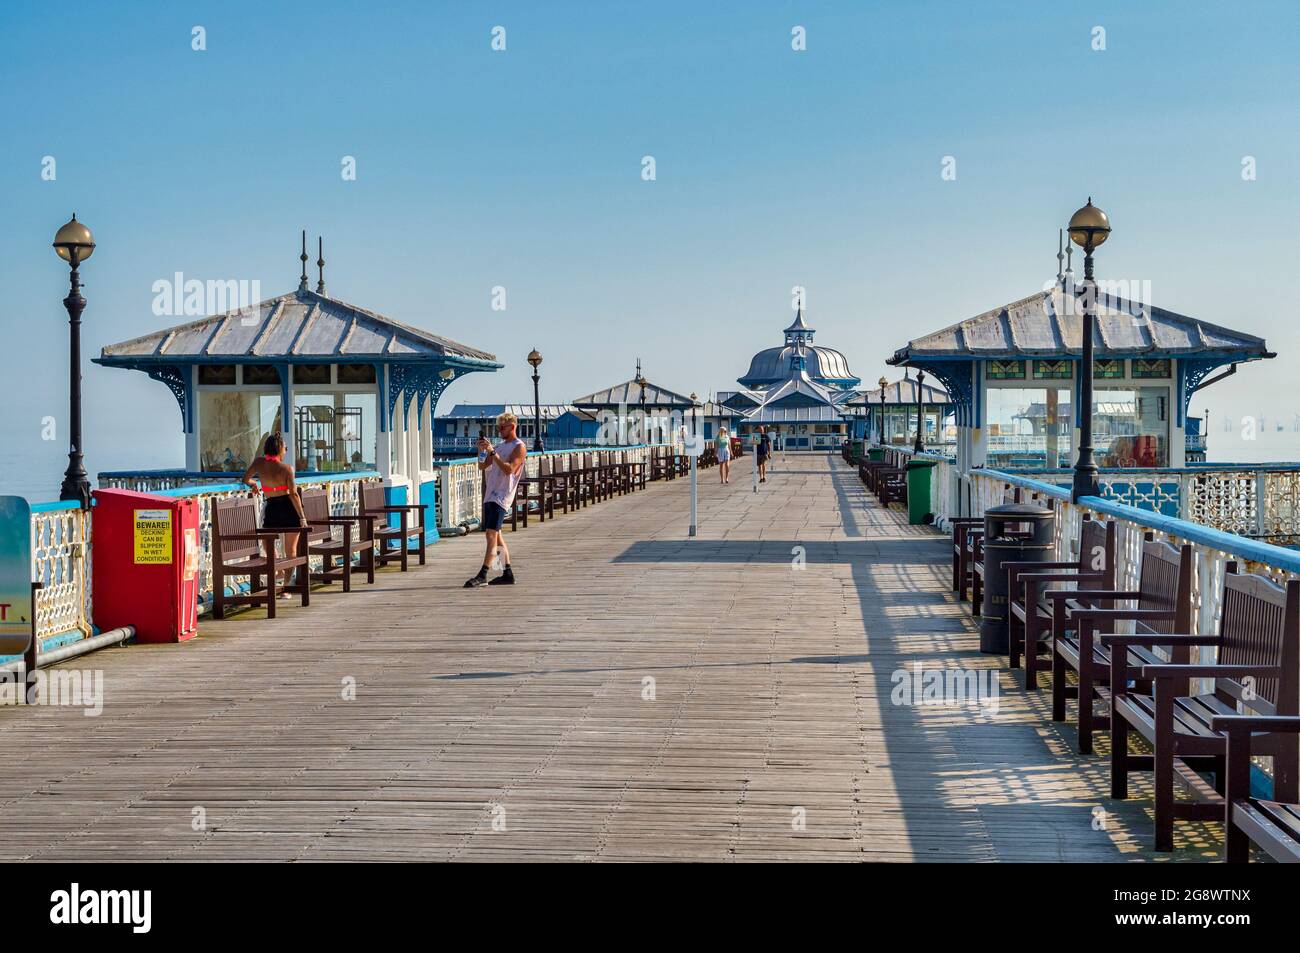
(81, 647)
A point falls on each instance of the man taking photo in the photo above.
(504, 465)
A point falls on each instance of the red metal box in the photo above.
(145, 558)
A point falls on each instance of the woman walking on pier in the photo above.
(723, 447)
(504, 464)
(281, 509)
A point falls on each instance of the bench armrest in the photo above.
(1211, 671)
(1152, 638)
(1094, 594)
(368, 517)
(1032, 566)
(1056, 577)
(1234, 723)
(400, 507)
(265, 533)
(1125, 615)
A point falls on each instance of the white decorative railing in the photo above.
(1213, 548)
(1261, 501)
(61, 564)
(460, 483)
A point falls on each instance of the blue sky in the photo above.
(522, 169)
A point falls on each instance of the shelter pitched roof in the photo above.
(1050, 323)
(628, 394)
(299, 327)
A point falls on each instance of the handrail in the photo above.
(594, 448)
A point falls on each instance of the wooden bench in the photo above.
(543, 489)
(1162, 604)
(609, 474)
(661, 464)
(1029, 621)
(372, 504)
(891, 486)
(1272, 824)
(869, 472)
(357, 538)
(565, 478)
(239, 548)
(624, 472)
(1258, 667)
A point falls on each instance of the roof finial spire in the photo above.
(302, 282)
(320, 263)
(1060, 256)
(1069, 266)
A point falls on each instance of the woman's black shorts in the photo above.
(279, 513)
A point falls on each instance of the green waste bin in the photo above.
(856, 449)
(876, 454)
(918, 491)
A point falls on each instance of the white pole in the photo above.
(755, 467)
(693, 496)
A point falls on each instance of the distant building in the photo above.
(893, 421)
(797, 391)
(458, 429)
(574, 428)
(636, 406)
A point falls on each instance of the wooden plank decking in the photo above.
(525, 707)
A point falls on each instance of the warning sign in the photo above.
(153, 536)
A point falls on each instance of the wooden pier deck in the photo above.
(518, 724)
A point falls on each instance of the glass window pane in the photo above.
(311, 373)
(1053, 370)
(356, 373)
(1151, 367)
(1029, 427)
(334, 431)
(1131, 427)
(1005, 370)
(216, 373)
(233, 426)
(258, 374)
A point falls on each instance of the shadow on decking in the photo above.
(691, 666)
(971, 785)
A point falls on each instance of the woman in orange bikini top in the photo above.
(282, 509)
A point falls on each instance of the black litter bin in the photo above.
(1013, 532)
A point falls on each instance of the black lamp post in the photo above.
(74, 244)
(535, 359)
(641, 382)
(1089, 227)
(883, 384)
(919, 445)
(695, 403)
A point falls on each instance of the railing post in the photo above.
(1261, 523)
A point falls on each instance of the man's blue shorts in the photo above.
(494, 516)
